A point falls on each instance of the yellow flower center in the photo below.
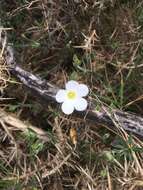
(71, 95)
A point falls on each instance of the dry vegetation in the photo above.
(97, 42)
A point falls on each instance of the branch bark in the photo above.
(113, 119)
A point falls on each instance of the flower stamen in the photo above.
(71, 95)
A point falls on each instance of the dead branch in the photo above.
(113, 119)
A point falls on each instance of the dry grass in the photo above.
(95, 42)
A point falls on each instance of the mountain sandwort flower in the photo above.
(72, 97)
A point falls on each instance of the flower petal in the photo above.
(67, 107)
(60, 96)
(71, 85)
(82, 90)
(81, 104)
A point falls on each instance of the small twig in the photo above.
(55, 169)
(7, 119)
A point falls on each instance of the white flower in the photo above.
(71, 97)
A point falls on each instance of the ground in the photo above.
(98, 43)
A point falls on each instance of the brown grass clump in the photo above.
(4, 73)
(98, 43)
